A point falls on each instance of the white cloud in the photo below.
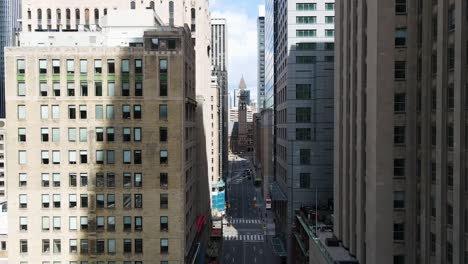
(242, 47)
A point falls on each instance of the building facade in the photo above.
(261, 58)
(299, 41)
(401, 131)
(100, 163)
(10, 13)
(219, 61)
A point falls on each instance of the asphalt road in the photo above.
(244, 242)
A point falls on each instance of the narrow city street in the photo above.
(245, 239)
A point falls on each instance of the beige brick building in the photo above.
(401, 187)
(102, 163)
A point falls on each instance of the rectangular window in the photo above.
(72, 202)
(56, 223)
(163, 201)
(303, 134)
(23, 179)
(23, 246)
(44, 112)
(111, 223)
(400, 6)
(109, 111)
(45, 180)
(83, 203)
(163, 180)
(329, 32)
(44, 134)
(100, 180)
(400, 70)
(399, 167)
(137, 156)
(304, 158)
(99, 157)
(111, 201)
(306, 6)
(138, 200)
(23, 223)
(72, 156)
(71, 134)
(43, 88)
(83, 112)
(20, 66)
(22, 134)
(163, 77)
(137, 134)
(83, 179)
(23, 201)
(42, 66)
(57, 200)
(127, 200)
(125, 66)
(83, 156)
(138, 89)
(84, 247)
(73, 246)
(138, 246)
(125, 88)
(127, 221)
(163, 157)
(110, 156)
(84, 89)
(22, 157)
(127, 245)
(45, 245)
(163, 134)
(329, 6)
(400, 37)
(56, 66)
(99, 112)
(306, 46)
(303, 114)
(56, 88)
(100, 246)
(305, 59)
(127, 134)
(110, 89)
(70, 66)
(126, 112)
(56, 179)
(137, 111)
(98, 88)
(45, 223)
(399, 102)
(164, 246)
(110, 180)
(44, 157)
(164, 223)
(306, 33)
(127, 159)
(21, 89)
(110, 66)
(399, 135)
(97, 66)
(138, 223)
(56, 157)
(72, 112)
(306, 19)
(330, 20)
(83, 135)
(304, 180)
(399, 231)
(127, 180)
(110, 134)
(83, 66)
(99, 200)
(111, 246)
(163, 112)
(138, 66)
(45, 201)
(70, 89)
(138, 180)
(398, 199)
(21, 112)
(303, 91)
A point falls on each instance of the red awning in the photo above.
(200, 222)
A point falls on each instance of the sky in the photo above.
(241, 16)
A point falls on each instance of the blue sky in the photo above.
(241, 18)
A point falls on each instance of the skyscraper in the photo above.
(401, 130)
(261, 57)
(9, 15)
(303, 36)
(219, 61)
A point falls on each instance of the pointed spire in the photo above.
(242, 84)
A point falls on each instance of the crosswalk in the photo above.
(245, 237)
(245, 221)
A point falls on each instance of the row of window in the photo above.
(53, 134)
(128, 223)
(101, 201)
(313, 33)
(313, 20)
(108, 180)
(313, 6)
(128, 245)
(82, 112)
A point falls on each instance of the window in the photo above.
(399, 168)
(72, 201)
(126, 111)
(398, 199)
(45, 157)
(111, 201)
(400, 70)
(138, 89)
(72, 112)
(171, 44)
(329, 32)
(329, 6)
(83, 156)
(138, 246)
(111, 246)
(125, 66)
(163, 134)
(164, 201)
(22, 157)
(110, 89)
(70, 89)
(83, 135)
(99, 112)
(110, 134)
(304, 158)
(138, 200)
(56, 157)
(127, 157)
(45, 201)
(55, 112)
(56, 179)
(100, 180)
(111, 182)
(306, 19)
(55, 135)
(399, 231)
(22, 134)
(72, 157)
(45, 223)
(127, 246)
(110, 66)
(44, 134)
(306, 6)
(449, 252)
(164, 246)
(303, 114)
(449, 214)
(84, 247)
(400, 37)
(306, 46)
(305, 59)
(45, 246)
(329, 19)
(99, 134)
(83, 179)
(99, 157)
(99, 200)
(97, 66)
(137, 111)
(111, 224)
(400, 6)
(23, 201)
(306, 33)
(100, 246)
(84, 89)
(304, 180)
(43, 88)
(110, 156)
(303, 91)
(137, 156)
(21, 89)
(98, 88)
(329, 46)
(399, 135)
(56, 223)
(303, 134)
(137, 134)
(73, 246)
(23, 221)
(109, 111)
(44, 112)
(23, 179)
(84, 201)
(57, 200)
(400, 102)
(56, 66)
(71, 134)
(163, 112)
(127, 200)
(127, 134)
(127, 223)
(45, 182)
(42, 66)
(70, 66)
(163, 157)
(21, 112)
(23, 246)
(83, 66)
(138, 180)
(20, 66)
(125, 88)
(138, 223)
(138, 66)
